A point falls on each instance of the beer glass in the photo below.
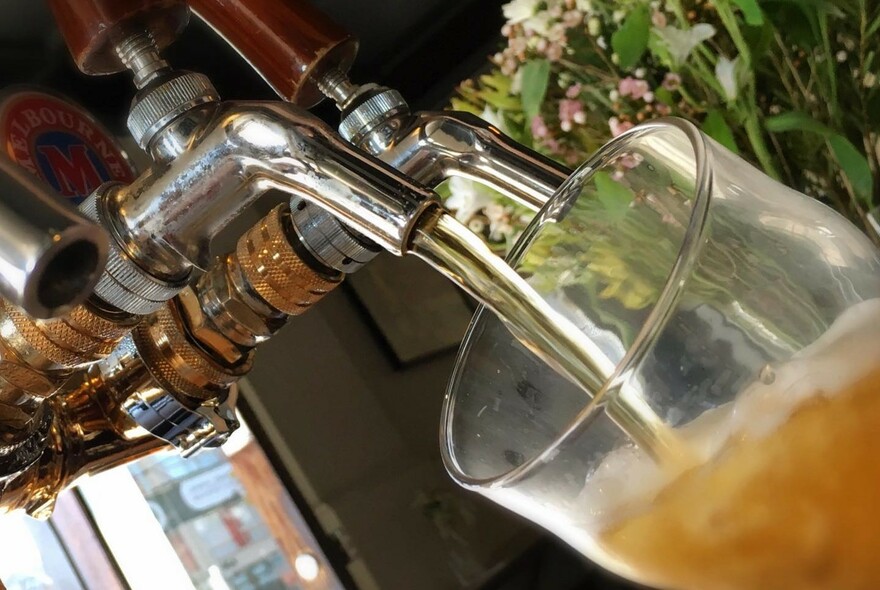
(737, 317)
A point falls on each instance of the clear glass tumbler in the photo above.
(735, 316)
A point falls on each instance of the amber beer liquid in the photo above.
(795, 507)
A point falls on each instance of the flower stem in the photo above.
(756, 139)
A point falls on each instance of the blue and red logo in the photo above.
(61, 143)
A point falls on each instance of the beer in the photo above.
(791, 498)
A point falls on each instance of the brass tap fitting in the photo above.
(246, 296)
(82, 434)
(83, 336)
(272, 266)
(38, 356)
(175, 375)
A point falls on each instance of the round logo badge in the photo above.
(61, 143)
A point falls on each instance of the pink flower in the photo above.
(573, 91)
(573, 18)
(568, 108)
(554, 52)
(552, 145)
(630, 160)
(633, 87)
(617, 126)
(662, 109)
(659, 19)
(539, 127)
(671, 81)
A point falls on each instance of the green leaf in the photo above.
(852, 162)
(535, 78)
(613, 196)
(660, 50)
(665, 96)
(795, 25)
(854, 165)
(630, 41)
(751, 11)
(759, 39)
(716, 127)
(459, 104)
(796, 121)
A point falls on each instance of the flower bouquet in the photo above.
(790, 85)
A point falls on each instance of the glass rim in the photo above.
(649, 331)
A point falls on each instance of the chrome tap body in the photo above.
(218, 159)
(431, 147)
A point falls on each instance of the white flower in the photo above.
(495, 119)
(476, 225)
(519, 10)
(499, 221)
(594, 26)
(841, 56)
(540, 23)
(725, 72)
(467, 198)
(640, 72)
(618, 15)
(584, 5)
(601, 43)
(516, 82)
(869, 80)
(681, 42)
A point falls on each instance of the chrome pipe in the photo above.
(50, 256)
(431, 147)
(200, 184)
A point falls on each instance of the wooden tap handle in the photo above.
(92, 28)
(290, 43)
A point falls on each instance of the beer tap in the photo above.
(429, 147)
(154, 354)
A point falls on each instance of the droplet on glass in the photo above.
(767, 375)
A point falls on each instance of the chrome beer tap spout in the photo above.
(431, 147)
(215, 159)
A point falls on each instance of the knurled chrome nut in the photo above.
(370, 113)
(324, 236)
(160, 105)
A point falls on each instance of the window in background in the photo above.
(63, 553)
(220, 520)
(32, 556)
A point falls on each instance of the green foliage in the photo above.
(717, 128)
(802, 101)
(752, 12)
(535, 77)
(852, 163)
(796, 121)
(630, 41)
(854, 166)
(614, 196)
